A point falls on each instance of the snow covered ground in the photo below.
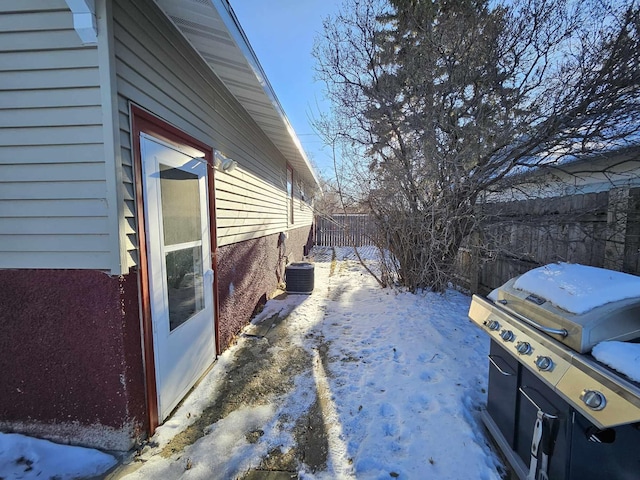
(400, 376)
(28, 458)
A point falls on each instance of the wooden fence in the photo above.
(343, 230)
(597, 229)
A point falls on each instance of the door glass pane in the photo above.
(180, 193)
(184, 281)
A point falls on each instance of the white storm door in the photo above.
(180, 270)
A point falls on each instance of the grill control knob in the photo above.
(544, 364)
(492, 325)
(523, 348)
(593, 399)
(507, 335)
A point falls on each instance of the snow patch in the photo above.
(27, 458)
(623, 357)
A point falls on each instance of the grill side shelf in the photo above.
(618, 411)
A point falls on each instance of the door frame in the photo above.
(143, 121)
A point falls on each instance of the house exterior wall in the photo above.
(249, 272)
(56, 204)
(70, 357)
(158, 70)
(71, 348)
(302, 203)
(54, 208)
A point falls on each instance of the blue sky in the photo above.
(282, 33)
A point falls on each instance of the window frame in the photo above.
(290, 195)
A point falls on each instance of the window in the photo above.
(290, 194)
(303, 198)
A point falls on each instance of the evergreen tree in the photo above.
(444, 99)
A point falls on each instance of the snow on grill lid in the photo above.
(578, 288)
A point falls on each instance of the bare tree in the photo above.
(438, 102)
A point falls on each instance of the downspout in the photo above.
(84, 20)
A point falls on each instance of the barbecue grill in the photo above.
(553, 409)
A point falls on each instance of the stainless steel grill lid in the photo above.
(618, 320)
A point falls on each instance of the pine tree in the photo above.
(445, 99)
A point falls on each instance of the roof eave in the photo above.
(252, 90)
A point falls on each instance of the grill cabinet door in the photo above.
(549, 402)
(503, 391)
(617, 455)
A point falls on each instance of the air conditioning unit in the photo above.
(299, 277)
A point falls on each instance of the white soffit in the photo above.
(214, 31)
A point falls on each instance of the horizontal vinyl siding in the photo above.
(53, 212)
(303, 213)
(302, 210)
(245, 205)
(159, 71)
(53, 226)
(72, 97)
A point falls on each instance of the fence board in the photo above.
(525, 234)
(631, 261)
(344, 230)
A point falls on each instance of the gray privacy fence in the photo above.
(598, 229)
(344, 230)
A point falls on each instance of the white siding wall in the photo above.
(53, 212)
(159, 71)
(303, 211)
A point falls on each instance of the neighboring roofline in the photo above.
(626, 152)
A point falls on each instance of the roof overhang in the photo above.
(215, 33)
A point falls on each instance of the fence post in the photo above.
(474, 267)
(617, 213)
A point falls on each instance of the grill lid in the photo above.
(578, 288)
(590, 304)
